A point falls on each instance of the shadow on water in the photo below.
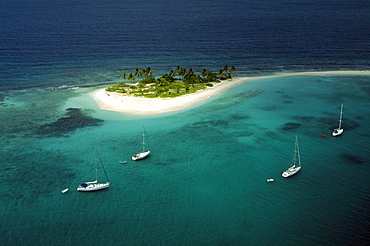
(352, 159)
(290, 126)
(75, 118)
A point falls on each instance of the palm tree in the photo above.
(143, 73)
(210, 77)
(232, 69)
(124, 75)
(172, 74)
(131, 76)
(181, 71)
(149, 71)
(178, 70)
(204, 72)
(137, 72)
(190, 72)
(221, 74)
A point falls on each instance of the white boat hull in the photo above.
(337, 132)
(93, 187)
(291, 171)
(140, 156)
(65, 190)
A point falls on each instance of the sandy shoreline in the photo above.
(137, 105)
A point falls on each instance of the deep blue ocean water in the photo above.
(205, 181)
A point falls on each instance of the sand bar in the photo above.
(139, 105)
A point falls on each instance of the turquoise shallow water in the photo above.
(205, 181)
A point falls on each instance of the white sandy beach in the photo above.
(137, 105)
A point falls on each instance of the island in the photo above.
(161, 96)
(176, 83)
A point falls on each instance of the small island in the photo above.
(158, 97)
(176, 83)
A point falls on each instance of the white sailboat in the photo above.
(145, 150)
(338, 131)
(95, 185)
(296, 162)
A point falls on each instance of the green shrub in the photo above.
(150, 95)
(149, 80)
(111, 89)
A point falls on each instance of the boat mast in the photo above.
(297, 150)
(143, 143)
(340, 117)
(96, 164)
(102, 166)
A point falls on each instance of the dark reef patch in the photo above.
(366, 90)
(269, 108)
(287, 96)
(75, 118)
(305, 118)
(2, 101)
(228, 101)
(347, 124)
(291, 126)
(323, 125)
(352, 159)
(239, 117)
(32, 174)
(270, 134)
(202, 124)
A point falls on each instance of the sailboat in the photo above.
(95, 185)
(338, 131)
(145, 150)
(296, 162)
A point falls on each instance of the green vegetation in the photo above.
(176, 83)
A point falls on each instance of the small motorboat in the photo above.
(270, 180)
(65, 190)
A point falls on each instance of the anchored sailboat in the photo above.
(145, 150)
(95, 185)
(338, 131)
(296, 162)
